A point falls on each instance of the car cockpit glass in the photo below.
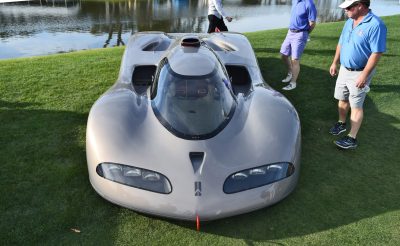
(193, 107)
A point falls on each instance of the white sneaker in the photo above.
(288, 78)
(290, 86)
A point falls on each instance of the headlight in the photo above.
(258, 176)
(135, 177)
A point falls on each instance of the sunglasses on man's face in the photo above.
(352, 6)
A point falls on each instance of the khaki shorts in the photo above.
(346, 89)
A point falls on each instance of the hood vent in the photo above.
(190, 41)
(160, 43)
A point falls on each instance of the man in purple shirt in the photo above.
(302, 21)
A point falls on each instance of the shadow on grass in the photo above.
(46, 194)
(15, 105)
(386, 88)
(336, 188)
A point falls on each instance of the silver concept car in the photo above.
(191, 131)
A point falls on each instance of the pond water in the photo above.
(44, 27)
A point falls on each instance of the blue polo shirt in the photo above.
(359, 43)
(303, 11)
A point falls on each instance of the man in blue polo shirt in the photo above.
(302, 21)
(361, 44)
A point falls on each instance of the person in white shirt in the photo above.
(216, 15)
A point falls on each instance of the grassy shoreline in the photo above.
(342, 197)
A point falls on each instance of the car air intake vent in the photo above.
(190, 42)
(159, 45)
(151, 46)
(197, 159)
(220, 46)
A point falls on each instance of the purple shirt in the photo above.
(303, 11)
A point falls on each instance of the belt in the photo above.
(354, 69)
(295, 30)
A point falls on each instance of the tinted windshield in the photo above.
(193, 107)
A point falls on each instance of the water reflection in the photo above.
(42, 27)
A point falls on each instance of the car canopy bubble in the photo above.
(193, 106)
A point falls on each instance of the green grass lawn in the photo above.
(343, 197)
